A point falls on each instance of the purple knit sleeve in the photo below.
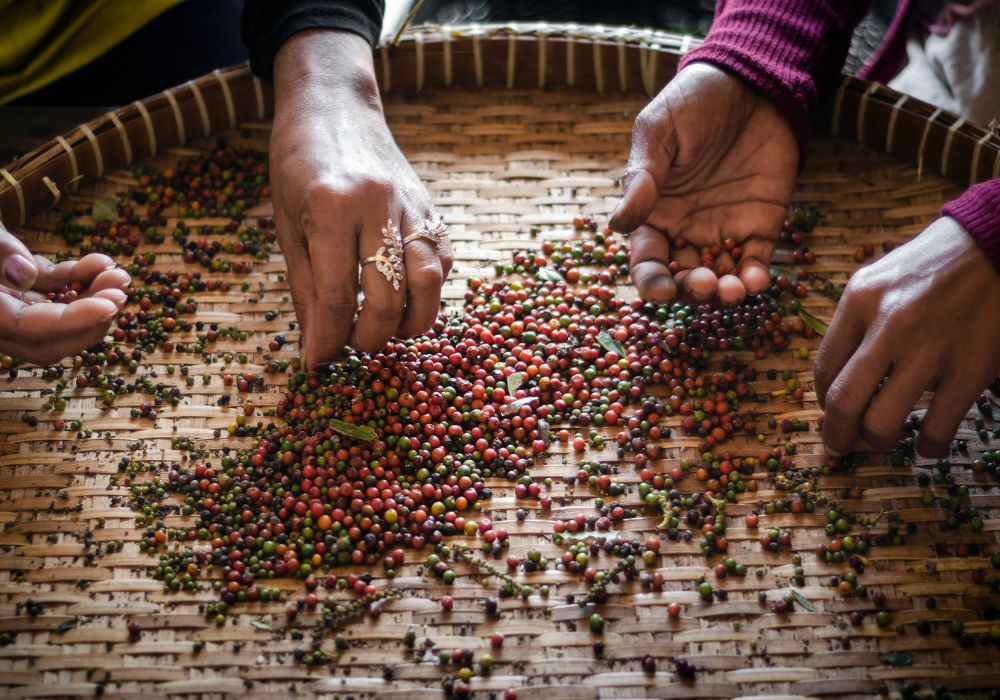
(978, 210)
(791, 50)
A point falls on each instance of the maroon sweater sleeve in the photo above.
(791, 50)
(978, 210)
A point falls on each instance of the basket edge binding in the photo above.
(508, 56)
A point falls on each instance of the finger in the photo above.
(686, 258)
(731, 291)
(955, 396)
(109, 279)
(753, 265)
(447, 256)
(28, 297)
(50, 352)
(849, 395)
(648, 270)
(383, 306)
(17, 262)
(423, 287)
(699, 284)
(116, 296)
(883, 421)
(24, 323)
(846, 331)
(53, 277)
(300, 279)
(724, 263)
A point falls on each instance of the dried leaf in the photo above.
(360, 432)
(900, 658)
(66, 626)
(611, 344)
(814, 323)
(803, 601)
(515, 406)
(549, 275)
(105, 209)
(262, 625)
(514, 382)
(778, 271)
(582, 536)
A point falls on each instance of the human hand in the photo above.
(711, 160)
(337, 177)
(927, 314)
(36, 331)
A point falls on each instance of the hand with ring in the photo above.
(345, 196)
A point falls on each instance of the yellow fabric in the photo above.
(43, 40)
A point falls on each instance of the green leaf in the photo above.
(514, 382)
(610, 344)
(262, 625)
(900, 658)
(360, 432)
(105, 209)
(814, 323)
(549, 275)
(803, 601)
(778, 271)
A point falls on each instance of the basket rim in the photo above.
(866, 111)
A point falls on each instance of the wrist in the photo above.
(326, 66)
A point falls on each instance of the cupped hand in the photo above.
(337, 179)
(37, 331)
(711, 160)
(928, 316)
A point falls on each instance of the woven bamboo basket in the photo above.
(509, 127)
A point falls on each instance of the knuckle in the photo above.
(382, 305)
(378, 187)
(836, 400)
(426, 281)
(879, 433)
(339, 305)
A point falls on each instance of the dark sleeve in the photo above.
(267, 24)
(791, 50)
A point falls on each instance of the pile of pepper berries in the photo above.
(390, 451)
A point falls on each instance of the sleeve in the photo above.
(267, 24)
(790, 50)
(978, 210)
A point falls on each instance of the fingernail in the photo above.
(110, 316)
(112, 266)
(17, 270)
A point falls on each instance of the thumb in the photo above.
(16, 262)
(639, 196)
(654, 142)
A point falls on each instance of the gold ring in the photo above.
(433, 231)
(389, 258)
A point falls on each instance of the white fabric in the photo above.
(959, 72)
